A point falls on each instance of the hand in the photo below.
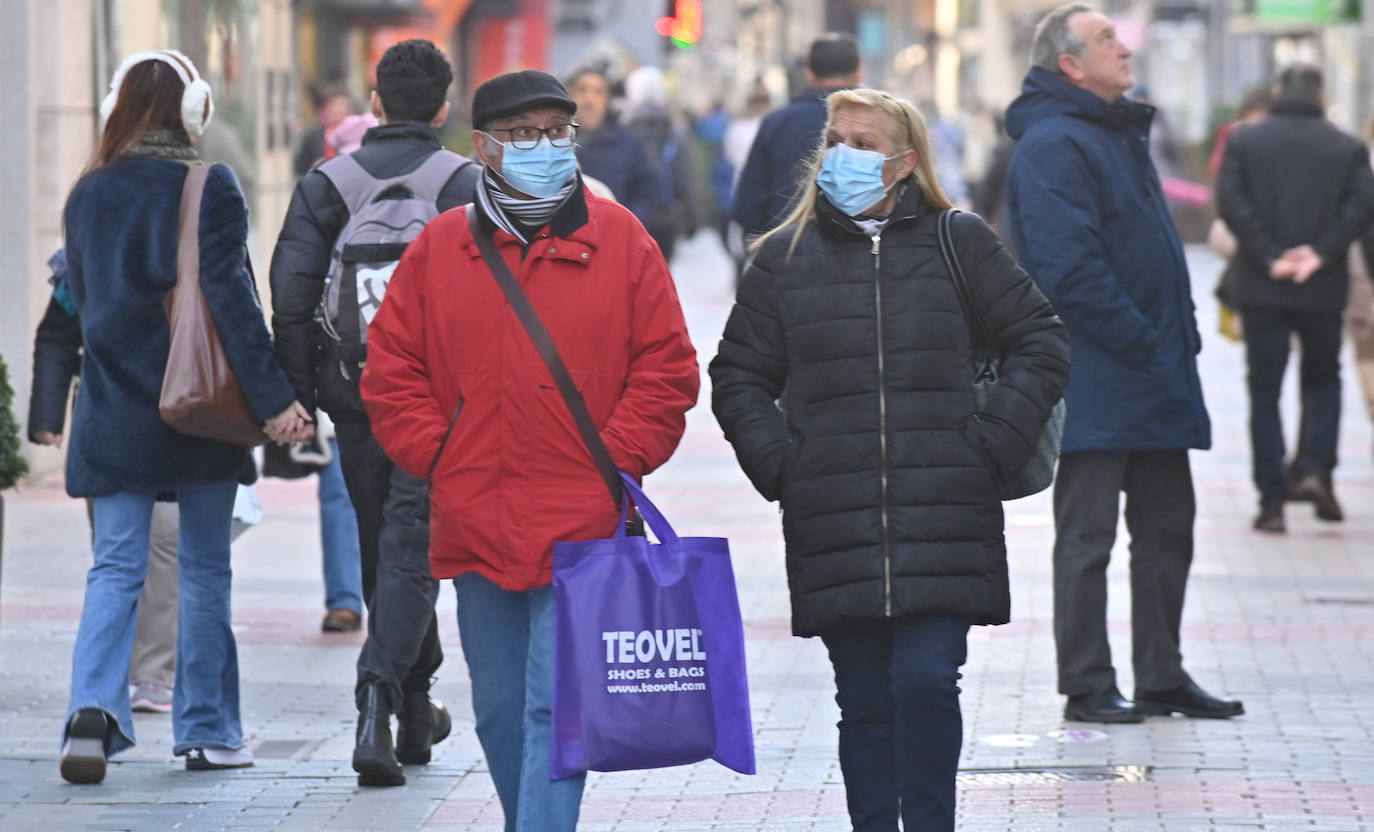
(291, 425)
(1283, 269)
(1308, 261)
(47, 437)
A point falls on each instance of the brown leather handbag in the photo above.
(201, 396)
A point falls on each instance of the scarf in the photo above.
(513, 215)
(163, 144)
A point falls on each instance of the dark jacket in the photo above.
(1293, 179)
(616, 157)
(768, 183)
(844, 383)
(56, 361)
(314, 220)
(676, 177)
(121, 231)
(1090, 222)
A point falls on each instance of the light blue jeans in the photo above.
(206, 696)
(507, 638)
(343, 558)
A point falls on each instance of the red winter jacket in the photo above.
(458, 394)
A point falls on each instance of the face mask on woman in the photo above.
(853, 179)
(541, 171)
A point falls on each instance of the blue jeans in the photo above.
(206, 695)
(507, 638)
(343, 559)
(897, 685)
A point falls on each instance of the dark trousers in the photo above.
(402, 650)
(1268, 338)
(1160, 508)
(897, 685)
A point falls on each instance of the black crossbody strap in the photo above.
(543, 342)
(982, 342)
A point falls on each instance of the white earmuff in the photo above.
(197, 102)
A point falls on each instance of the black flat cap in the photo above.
(515, 92)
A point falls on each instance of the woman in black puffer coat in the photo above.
(843, 382)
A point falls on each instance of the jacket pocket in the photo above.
(443, 443)
(972, 433)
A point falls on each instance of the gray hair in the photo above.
(1054, 37)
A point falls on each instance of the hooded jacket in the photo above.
(1089, 220)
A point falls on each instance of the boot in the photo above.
(374, 758)
(420, 724)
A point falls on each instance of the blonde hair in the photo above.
(908, 131)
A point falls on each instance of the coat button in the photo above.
(585, 255)
(552, 250)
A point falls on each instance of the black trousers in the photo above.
(1160, 508)
(402, 651)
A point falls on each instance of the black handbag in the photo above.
(1038, 471)
(543, 342)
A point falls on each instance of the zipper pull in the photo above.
(876, 239)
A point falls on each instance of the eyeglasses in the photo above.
(526, 137)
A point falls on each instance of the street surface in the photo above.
(1284, 623)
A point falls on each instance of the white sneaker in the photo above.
(212, 759)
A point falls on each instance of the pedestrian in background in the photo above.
(672, 152)
(401, 157)
(459, 394)
(863, 426)
(121, 224)
(56, 362)
(1088, 216)
(786, 139)
(1296, 192)
(610, 152)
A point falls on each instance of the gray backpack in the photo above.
(384, 216)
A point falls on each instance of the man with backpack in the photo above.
(530, 344)
(349, 222)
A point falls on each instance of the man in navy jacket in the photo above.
(768, 183)
(1088, 215)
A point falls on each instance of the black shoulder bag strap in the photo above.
(524, 310)
(983, 347)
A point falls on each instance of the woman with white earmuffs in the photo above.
(124, 236)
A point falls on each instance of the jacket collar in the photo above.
(573, 222)
(1294, 107)
(910, 205)
(402, 131)
(817, 93)
(1045, 94)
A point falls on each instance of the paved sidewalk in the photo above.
(1287, 624)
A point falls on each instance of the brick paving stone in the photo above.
(1285, 623)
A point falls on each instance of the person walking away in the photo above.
(121, 225)
(401, 158)
(1296, 192)
(891, 510)
(610, 152)
(56, 363)
(672, 153)
(459, 394)
(1089, 217)
(767, 185)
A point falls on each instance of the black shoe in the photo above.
(374, 758)
(1292, 477)
(1319, 492)
(1103, 706)
(420, 724)
(83, 753)
(1270, 519)
(1187, 699)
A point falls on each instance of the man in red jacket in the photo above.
(458, 394)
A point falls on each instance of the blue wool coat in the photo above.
(1088, 217)
(769, 181)
(121, 228)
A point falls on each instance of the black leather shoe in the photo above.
(374, 758)
(83, 753)
(420, 724)
(1187, 699)
(1270, 519)
(1319, 492)
(1102, 706)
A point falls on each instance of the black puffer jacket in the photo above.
(887, 474)
(314, 220)
(56, 361)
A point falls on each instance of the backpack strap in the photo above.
(355, 185)
(428, 180)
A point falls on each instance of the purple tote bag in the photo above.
(649, 652)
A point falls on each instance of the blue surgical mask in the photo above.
(540, 171)
(853, 179)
